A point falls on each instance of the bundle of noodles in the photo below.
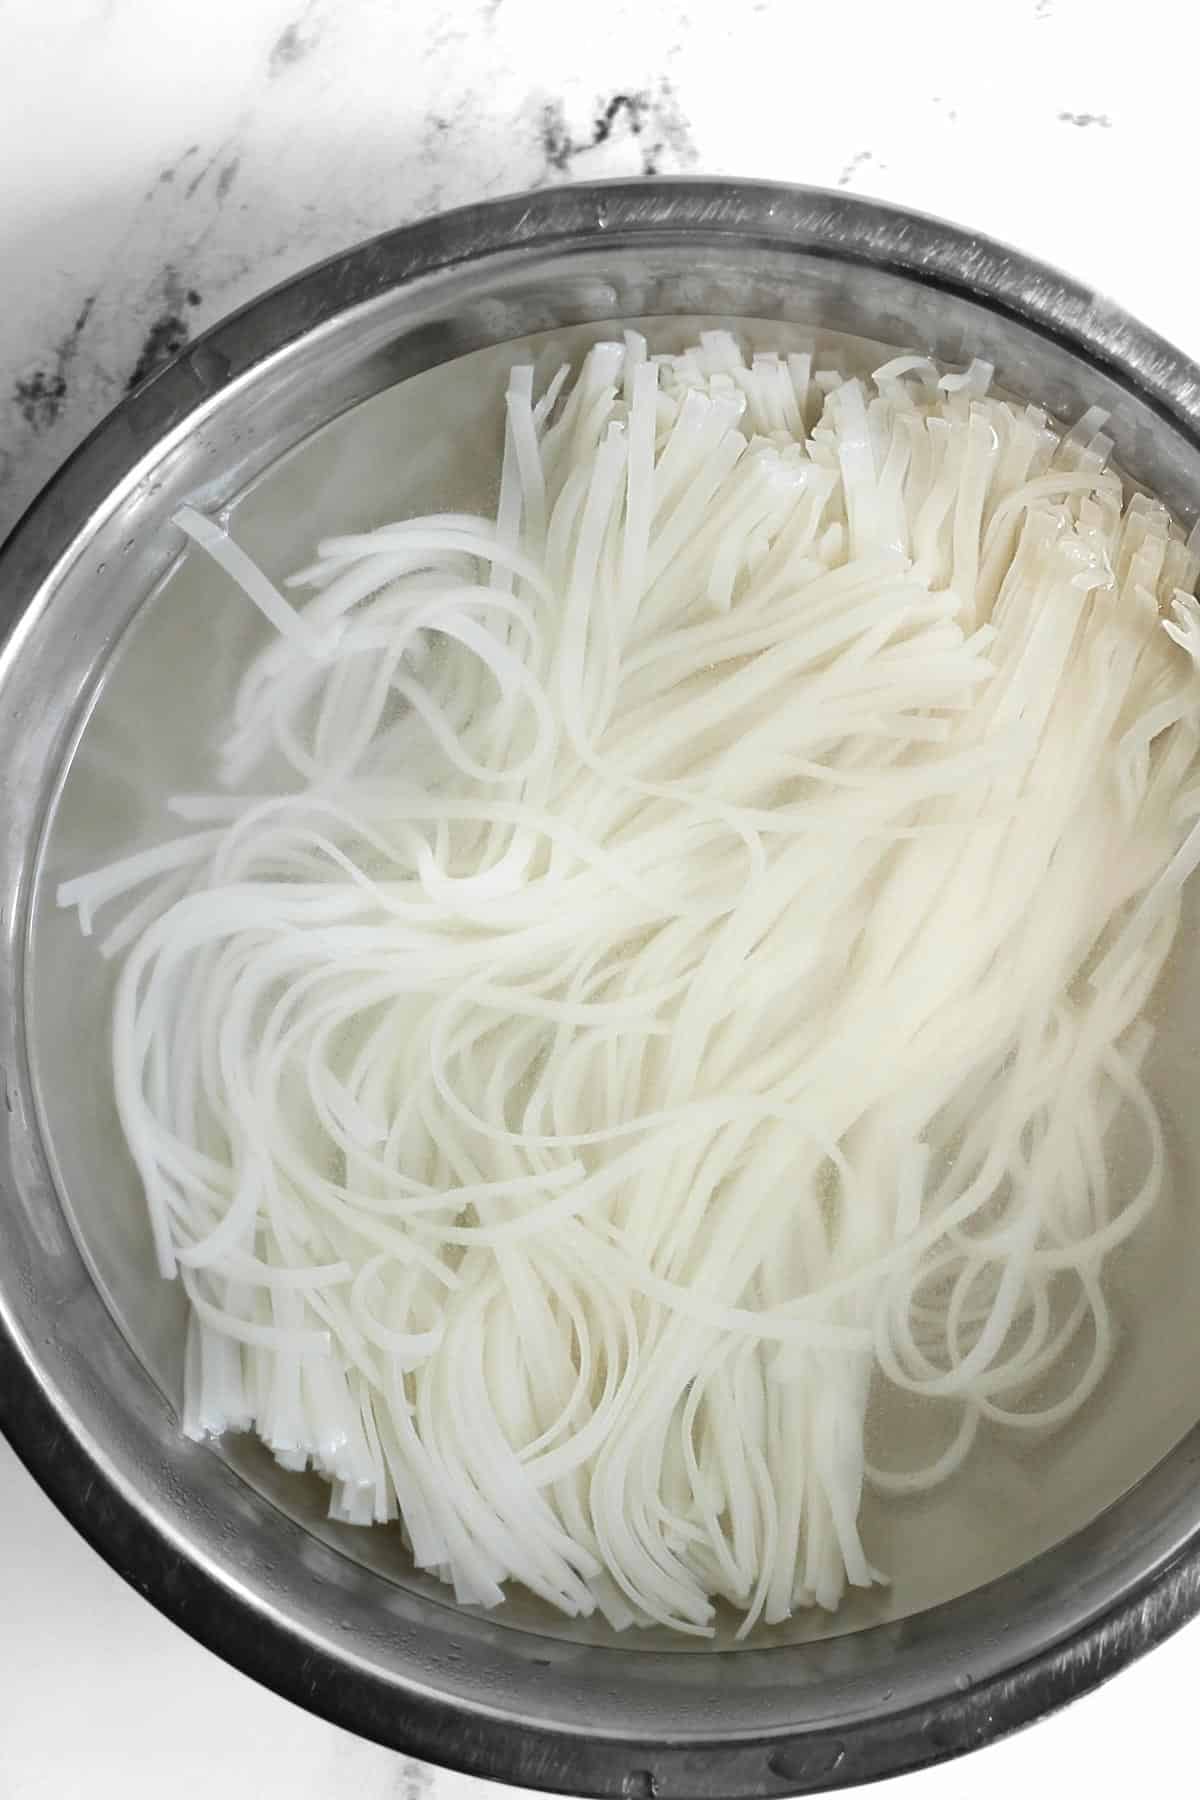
(685, 980)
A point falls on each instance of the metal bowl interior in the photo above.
(367, 389)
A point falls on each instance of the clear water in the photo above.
(433, 443)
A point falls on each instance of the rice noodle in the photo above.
(686, 983)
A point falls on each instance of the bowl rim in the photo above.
(844, 228)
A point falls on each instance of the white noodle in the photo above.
(702, 1004)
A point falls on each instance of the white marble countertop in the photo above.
(161, 164)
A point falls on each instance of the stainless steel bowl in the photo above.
(103, 630)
